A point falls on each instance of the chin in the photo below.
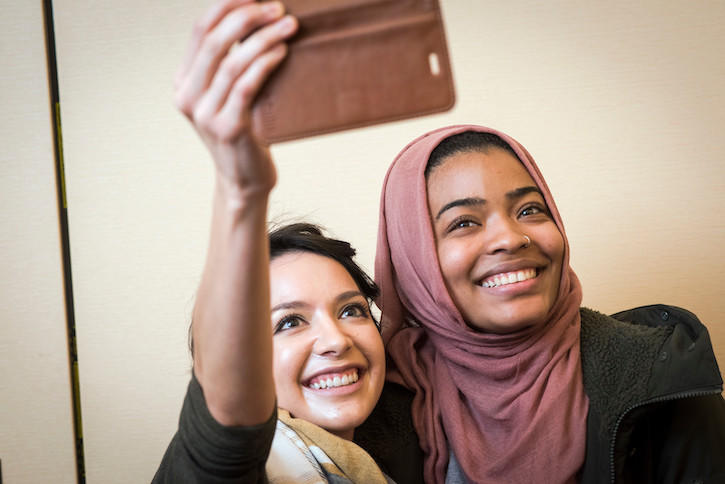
(343, 427)
(342, 417)
(510, 322)
(505, 328)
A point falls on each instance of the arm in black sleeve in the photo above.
(204, 451)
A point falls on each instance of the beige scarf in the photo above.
(303, 453)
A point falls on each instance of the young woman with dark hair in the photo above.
(284, 369)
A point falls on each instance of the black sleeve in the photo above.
(205, 451)
(692, 442)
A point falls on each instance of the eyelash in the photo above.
(465, 219)
(534, 206)
(455, 225)
(360, 307)
(289, 318)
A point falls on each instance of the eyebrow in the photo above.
(461, 202)
(473, 201)
(344, 296)
(520, 192)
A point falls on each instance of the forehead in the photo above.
(308, 277)
(476, 173)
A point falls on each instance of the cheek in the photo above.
(288, 362)
(367, 339)
(453, 261)
(376, 349)
(374, 352)
(555, 249)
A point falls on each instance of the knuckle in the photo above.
(228, 70)
(202, 118)
(212, 44)
(246, 18)
(263, 40)
(200, 28)
(273, 34)
(228, 129)
(182, 103)
(255, 43)
(245, 91)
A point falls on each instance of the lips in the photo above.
(330, 381)
(505, 278)
(334, 378)
(511, 272)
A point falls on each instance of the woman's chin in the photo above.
(511, 321)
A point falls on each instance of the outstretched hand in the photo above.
(233, 50)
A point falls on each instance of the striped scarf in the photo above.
(303, 453)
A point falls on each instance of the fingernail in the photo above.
(273, 8)
(288, 24)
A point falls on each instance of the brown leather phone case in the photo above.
(355, 63)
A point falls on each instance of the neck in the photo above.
(346, 434)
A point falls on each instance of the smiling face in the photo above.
(329, 361)
(482, 207)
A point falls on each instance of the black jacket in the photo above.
(656, 413)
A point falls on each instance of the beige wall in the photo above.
(36, 431)
(620, 103)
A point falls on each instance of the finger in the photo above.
(237, 107)
(216, 44)
(208, 21)
(239, 60)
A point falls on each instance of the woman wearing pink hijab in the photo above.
(513, 381)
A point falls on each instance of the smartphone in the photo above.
(356, 63)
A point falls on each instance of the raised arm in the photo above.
(233, 50)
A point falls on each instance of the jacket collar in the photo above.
(660, 352)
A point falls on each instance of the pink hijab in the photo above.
(512, 408)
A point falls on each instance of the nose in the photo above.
(331, 339)
(505, 235)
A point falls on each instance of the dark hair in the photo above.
(306, 237)
(464, 143)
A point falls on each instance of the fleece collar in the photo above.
(644, 354)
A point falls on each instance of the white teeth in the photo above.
(510, 278)
(337, 381)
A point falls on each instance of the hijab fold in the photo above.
(508, 406)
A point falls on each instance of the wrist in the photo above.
(240, 194)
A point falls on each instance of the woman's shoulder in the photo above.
(626, 344)
(642, 354)
(668, 335)
(651, 364)
(204, 450)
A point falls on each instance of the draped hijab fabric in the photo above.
(510, 407)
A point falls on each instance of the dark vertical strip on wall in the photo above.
(65, 240)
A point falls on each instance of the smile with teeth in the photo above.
(334, 380)
(509, 278)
